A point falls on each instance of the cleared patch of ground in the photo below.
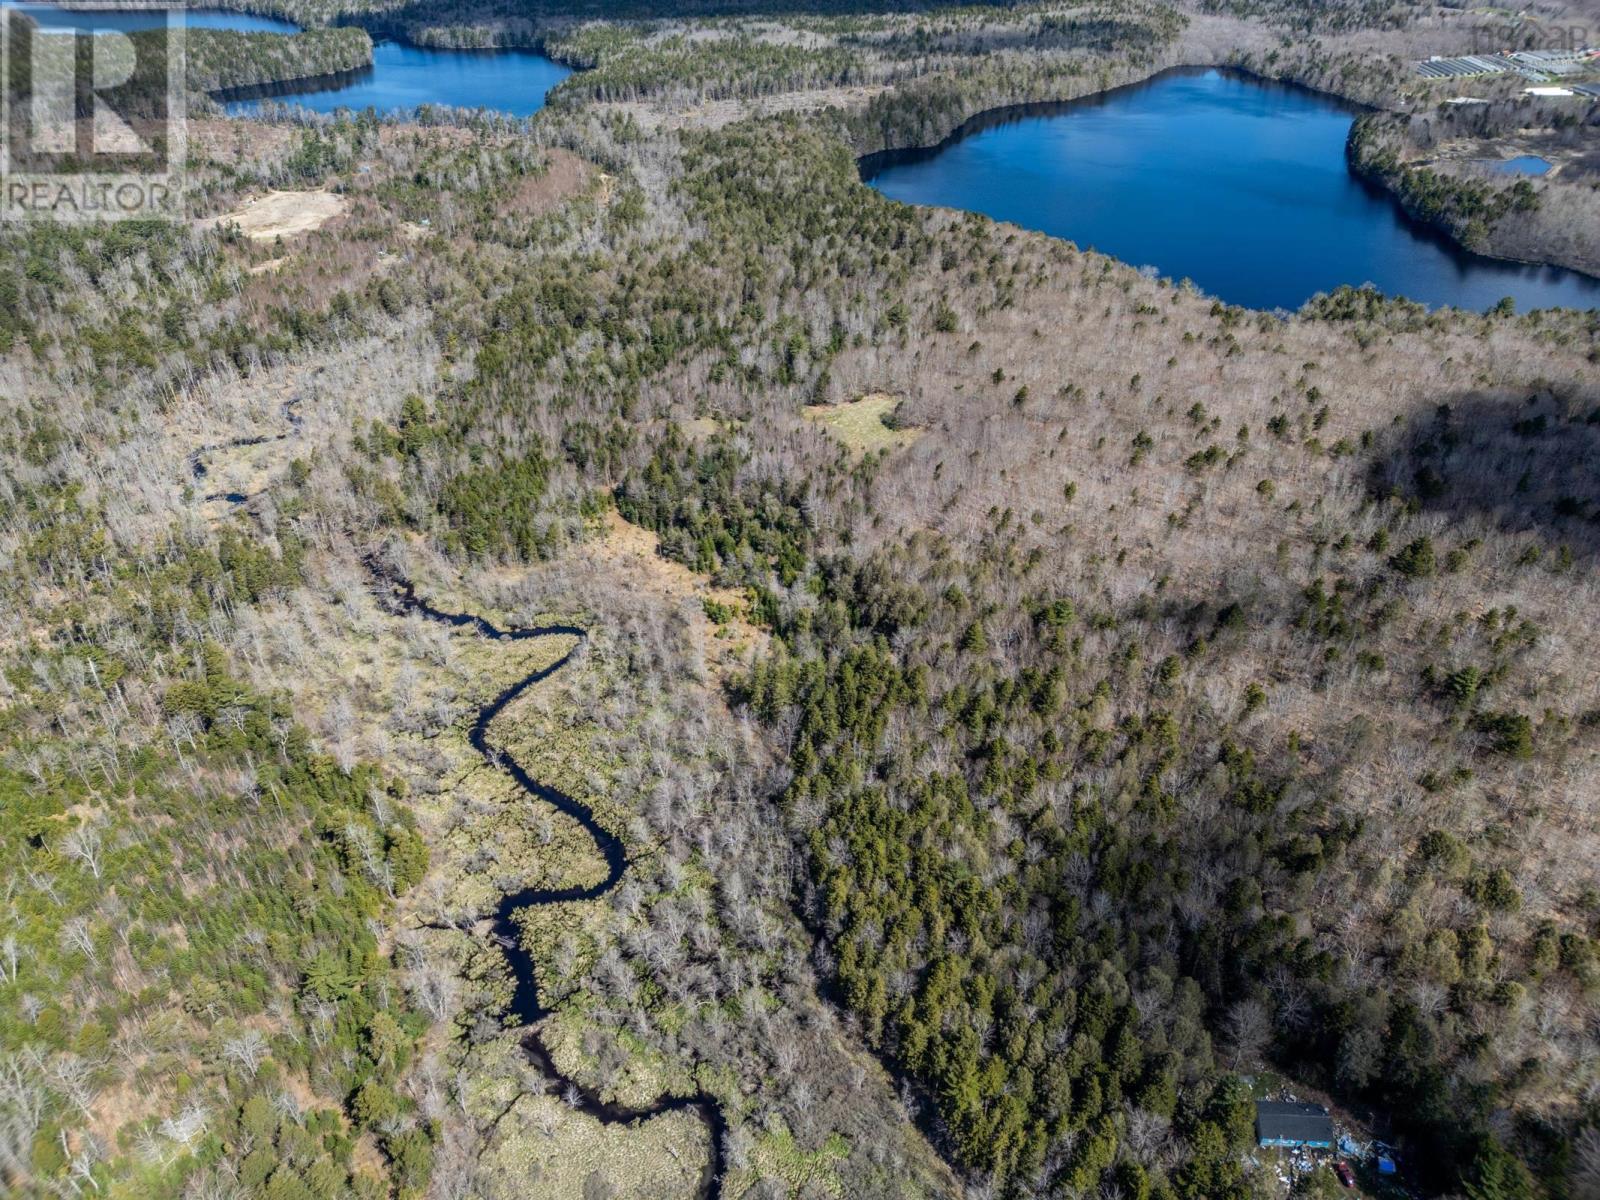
(718, 616)
(233, 143)
(281, 214)
(1478, 156)
(862, 425)
(565, 175)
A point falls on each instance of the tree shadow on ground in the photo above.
(1528, 462)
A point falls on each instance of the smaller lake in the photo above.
(403, 77)
(52, 19)
(1238, 185)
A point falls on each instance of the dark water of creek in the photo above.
(525, 1004)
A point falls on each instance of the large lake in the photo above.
(1238, 185)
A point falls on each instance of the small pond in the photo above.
(1522, 164)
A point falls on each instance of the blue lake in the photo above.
(404, 76)
(1237, 185)
(65, 20)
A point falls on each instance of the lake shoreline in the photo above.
(873, 162)
(1396, 176)
(879, 148)
(1390, 185)
(404, 77)
(292, 85)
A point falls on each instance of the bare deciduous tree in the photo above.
(84, 844)
(248, 1049)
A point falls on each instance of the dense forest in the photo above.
(219, 60)
(981, 748)
(1157, 700)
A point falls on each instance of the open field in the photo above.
(862, 426)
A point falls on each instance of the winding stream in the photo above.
(199, 468)
(525, 1004)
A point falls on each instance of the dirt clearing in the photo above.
(282, 214)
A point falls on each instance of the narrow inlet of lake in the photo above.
(404, 77)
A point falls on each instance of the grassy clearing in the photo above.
(559, 1152)
(727, 639)
(702, 429)
(862, 425)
